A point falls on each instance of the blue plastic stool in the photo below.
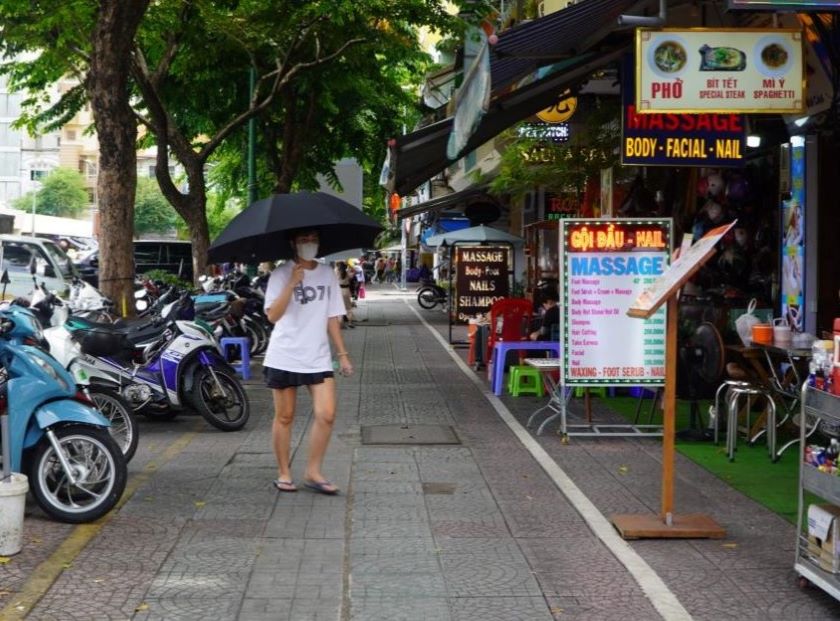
(244, 345)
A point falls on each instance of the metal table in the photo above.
(558, 403)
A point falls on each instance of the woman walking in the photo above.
(344, 280)
(304, 303)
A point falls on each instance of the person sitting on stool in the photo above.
(550, 317)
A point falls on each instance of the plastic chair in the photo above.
(525, 379)
(244, 345)
(507, 321)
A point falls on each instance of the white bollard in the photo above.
(12, 503)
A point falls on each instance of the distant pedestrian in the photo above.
(359, 272)
(379, 267)
(390, 269)
(304, 303)
(344, 280)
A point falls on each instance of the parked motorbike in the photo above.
(123, 424)
(430, 294)
(156, 365)
(76, 471)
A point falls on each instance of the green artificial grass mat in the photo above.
(752, 473)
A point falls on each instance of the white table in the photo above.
(558, 403)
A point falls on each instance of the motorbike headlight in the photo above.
(49, 370)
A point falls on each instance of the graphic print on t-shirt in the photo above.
(304, 294)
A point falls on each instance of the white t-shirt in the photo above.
(299, 340)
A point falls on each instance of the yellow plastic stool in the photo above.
(525, 380)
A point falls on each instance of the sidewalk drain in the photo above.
(409, 434)
(439, 488)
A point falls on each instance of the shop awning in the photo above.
(441, 202)
(418, 156)
(557, 36)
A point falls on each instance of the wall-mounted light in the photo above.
(801, 121)
(797, 141)
(753, 141)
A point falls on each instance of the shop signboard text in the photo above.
(677, 139)
(726, 70)
(481, 279)
(606, 265)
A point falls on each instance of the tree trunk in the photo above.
(195, 215)
(192, 206)
(116, 129)
(294, 139)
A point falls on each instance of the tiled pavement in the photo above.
(469, 532)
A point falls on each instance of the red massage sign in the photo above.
(606, 266)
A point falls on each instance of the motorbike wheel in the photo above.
(123, 422)
(225, 407)
(427, 298)
(256, 334)
(99, 468)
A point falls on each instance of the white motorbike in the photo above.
(156, 365)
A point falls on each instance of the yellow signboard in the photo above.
(719, 70)
(560, 112)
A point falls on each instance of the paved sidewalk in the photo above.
(463, 532)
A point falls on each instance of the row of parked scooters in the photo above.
(73, 376)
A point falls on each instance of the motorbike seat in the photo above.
(108, 339)
(209, 312)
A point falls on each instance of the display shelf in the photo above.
(823, 484)
(824, 407)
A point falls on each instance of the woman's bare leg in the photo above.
(285, 400)
(323, 412)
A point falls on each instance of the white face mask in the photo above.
(307, 250)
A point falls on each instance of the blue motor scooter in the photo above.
(76, 471)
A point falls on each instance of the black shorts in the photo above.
(277, 378)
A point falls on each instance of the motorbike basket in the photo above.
(97, 342)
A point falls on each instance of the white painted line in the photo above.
(660, 596)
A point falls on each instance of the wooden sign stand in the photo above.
(668, 525)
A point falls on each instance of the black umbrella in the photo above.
(260, 232)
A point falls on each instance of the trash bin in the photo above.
(12, 503)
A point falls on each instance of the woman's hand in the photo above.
(345, 366)
(297, 275)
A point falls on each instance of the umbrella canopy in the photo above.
(477, 234)
(260, 232)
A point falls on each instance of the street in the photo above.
(502, 525)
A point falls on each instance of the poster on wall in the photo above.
(793, 241)
(606, 266)
(720, 70)
(481, 278)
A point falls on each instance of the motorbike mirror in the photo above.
(4, 279)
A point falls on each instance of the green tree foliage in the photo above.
(190, 67)
(62, 193)
(152, 212)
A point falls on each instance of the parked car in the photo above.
(25, 257)
(169, 255)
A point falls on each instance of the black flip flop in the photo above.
(289, 486)
(321, 487)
